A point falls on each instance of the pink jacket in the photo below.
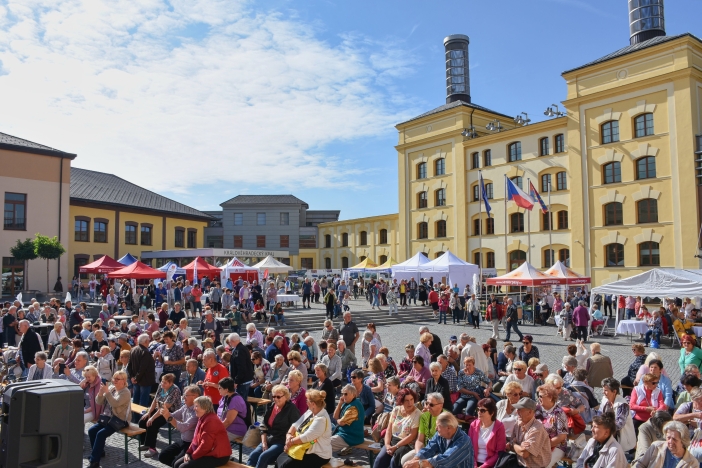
(495, 444)
(581, 316)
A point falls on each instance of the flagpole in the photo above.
(528, 213)
(506, 256)
(550, 222)
(480, 236)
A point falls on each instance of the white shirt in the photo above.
(476, 352)
(482, 443)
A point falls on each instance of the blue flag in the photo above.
(535, 194)
(484, 195)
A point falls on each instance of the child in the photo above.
(346, 302)
(106, 364)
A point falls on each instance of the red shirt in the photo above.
(214, 375)
(433, 296)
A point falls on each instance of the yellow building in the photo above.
(109, 215)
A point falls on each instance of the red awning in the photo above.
(138, 270)
(525, 275)
(203, 269)
(105, 264)
(559, 270)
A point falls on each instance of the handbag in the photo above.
(297, 452)
(252, 438)
(380, 426)
(506, 460)
(112, 421)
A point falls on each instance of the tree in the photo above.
(48, 248)
(24, 251)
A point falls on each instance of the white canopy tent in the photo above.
(236, 268)
(453, 268)
(409, 268)
(272, 265)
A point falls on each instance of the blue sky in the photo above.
(201, 100)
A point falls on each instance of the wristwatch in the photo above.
(170, 418)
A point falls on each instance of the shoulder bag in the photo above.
(297, 452)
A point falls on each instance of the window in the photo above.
(363, 238)
(643, 125)
(516, 258)
(563, 219)
(547, 219)
(79, 261)
(515, 151)
(99, 231)
(345, 239)
(284, 219)
(543, 147)
(383, 236)
(610, 132)
(146, 234)
(476, 258)
(306, 263)
(612, 173)
(564, 256)
(238, 219)
(440, 197)
(487, 158)
(327, 263)
(441, 228)
(307, 241)
(15, 211)
(284, 241)
(476, 192)
(440, 166)
(130, 233)
(180, 237)
(476, 227)
(559, 143)
(422, 231)
(613, 214)
(215, 242)
(545, 182)
(327, 241)
(646, 168)
(490, 260)
(516, 222)
(490, 226)
(82, 234)
(476, 160)
(649, 254)
(238, 242)
(614, 254)
(12, 276)
(647, 210)
(422, 200)
(260, 242)
(439, 254)
(383, 259)
(548, 259)
(561, 181)
(422, 171)
(192, 238)
(698, 160)
(517, 181)
(261, 219)
(344, 262)
(488, 190)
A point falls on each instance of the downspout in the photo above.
(58, 262)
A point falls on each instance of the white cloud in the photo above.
(186, 90)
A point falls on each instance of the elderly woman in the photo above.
(295, 360)
(168, 395)
(670, 452)
(554, 421)
(349, 418)
(470, 388)
(231, 409)
(297, 391)
(324, 384)
(56, 335)
(570, 404)
(376, 381)
(519, 375)
(655, 328)
(402, 430)
(418, 376)
(690, 413)
(98, 342)
(406, 364)
(614, 403)
(506, 412)
(689, 353)
(651, 431)
(646, 399)
(439, 384)
(313, 425)
(39, 370)
(276, 372)
(210, 446)
(116, 400)
(171, 356)
(422, 349)
(63, 350)
(91, 386)
(639, 358)
(393, 384)
(334, 364)
(603, 450)
(278, 419)
(487, 435)
(253, 334)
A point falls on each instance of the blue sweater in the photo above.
(455, 453)
(367, 400)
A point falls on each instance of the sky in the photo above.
(202, 100)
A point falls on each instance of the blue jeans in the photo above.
(142, 395)
(657, 335)
(243, 390)
(630, 313)
(467, 403)
(512, 324)
(260, 459)
(442, 314)
(412, 296)
(98, 434)
(376, 302)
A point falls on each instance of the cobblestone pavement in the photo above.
(395, 337)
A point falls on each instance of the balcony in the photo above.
(15, 224)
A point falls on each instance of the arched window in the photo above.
(643, 125)
(517, 222)
(327, 263)
(647, 211)
(422, 200)
(548, 259)
(487, 158)
(490, 260)
(475, 160)
(422, 231)
(614, 254)
(383, 236)
(610, 131)
(564, 256)
(488, 190)
(515, 151)
(440, 166)
(441, 228)
(422, 171)
(547, 219)
(612, 173)
(646, 168)
(440, 196)
(543, 147)
(517, 181)
(476, 192)
(476, 227)
(363, 238)
(649, 254)
(438, 254)
(383, 259)
(516, 258)
(344, 262)
(545, 182)
(563, 219)
(476, 258)
(559, 145)
(561, 181)
(613, 214)
(345, 239)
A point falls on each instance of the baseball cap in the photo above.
(124, 336)
(453, 338)
(525, 403)
(541, 368)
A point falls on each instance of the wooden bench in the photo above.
(372, 451)
(233, 464)
(142, 409)
(256, 402)
(133, 431)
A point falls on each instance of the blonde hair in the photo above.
(297, 374)
(533, 362)
(426, 337)
(374, 365)
(317, 397)
(282, 389)
(510, 386)
(549, 390)
(90, 370)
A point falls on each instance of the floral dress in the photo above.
(555, 422)
(374, 380)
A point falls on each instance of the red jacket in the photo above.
(498, 315)
(210, 439)
(496, 442)
(433, 296)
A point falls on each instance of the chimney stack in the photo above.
(457, 75)
(646, 20)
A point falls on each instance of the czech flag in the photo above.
(535, 194)
(518, 196)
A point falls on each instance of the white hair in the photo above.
(250, 327)
(423, 329)
(144, 339)
(233, 337)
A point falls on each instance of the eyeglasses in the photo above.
(543, 396)
(654, 383)
(345, 393)
(518, 368)
(482, 410)
(278, 397)
(431, 405)
(514, 394)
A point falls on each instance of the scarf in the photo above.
(590, 462)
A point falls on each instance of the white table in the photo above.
(631, 327)
(289, 298)
(697, 330)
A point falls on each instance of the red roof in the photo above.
(138, 270)
(105, 264)
(525, 275)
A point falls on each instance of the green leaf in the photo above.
(48, 248)
(24, 250)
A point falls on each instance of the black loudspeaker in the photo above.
(42, 425)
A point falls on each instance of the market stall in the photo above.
(360, 270)
(137, 270)
(200, 268)
(409, 268)
(127, 259)
(452, 268)
(104, 264)
(559, 270)
(270, 266)
(236, 269)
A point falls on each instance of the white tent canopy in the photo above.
(456, 270)
(272, 265)
(236, 266)
(409, 268)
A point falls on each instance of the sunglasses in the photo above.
(354, 378)
(431, 405)
(482, 410)
(518, 368)
(278, 397)
(654, 383)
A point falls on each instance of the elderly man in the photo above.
(530, 440)
(598, 366)
(274, 349)
(470, 348)
(450, 447)
(581, 319)
(184, 419)
(241, 369)
(449, 373)
(435, 349)
(9, 325)
(433, 407)
(193, 373)
(283, 346)
(29, 345)
(511, 319)
(142, 369)
(215, 372)
(75, 375)
(347, 358)
(349, 333)
(349, 414)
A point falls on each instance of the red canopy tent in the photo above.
(104, 264)
(203, 269)
(559, 270)
(138, 270)
(525, 275)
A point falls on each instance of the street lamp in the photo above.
(553, 111)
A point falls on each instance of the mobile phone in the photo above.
(62, 368)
